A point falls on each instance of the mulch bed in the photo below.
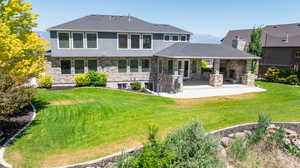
(9, 126)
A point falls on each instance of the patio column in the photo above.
(248, 78)
(216, 79)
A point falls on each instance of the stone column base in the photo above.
(248, 79)
(216, 80)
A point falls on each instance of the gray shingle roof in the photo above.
(273, 35)
(110, 23)
(197, 50)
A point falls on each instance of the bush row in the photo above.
(275, 74)
(91, 78)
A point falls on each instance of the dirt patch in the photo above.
(85, 155)
(191, 103)
(16, 157)
(69, 102)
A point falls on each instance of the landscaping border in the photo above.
(103, 162)
(7, 143)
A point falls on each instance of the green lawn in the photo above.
(86, 123)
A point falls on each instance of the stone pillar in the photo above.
(199, 70)
(216, 79)
(248, 78)
(175, 67)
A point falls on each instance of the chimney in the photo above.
(238, 43)
(129, 18)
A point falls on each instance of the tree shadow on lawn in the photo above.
(12, 124)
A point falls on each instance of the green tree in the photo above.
(255, 46)
(22, 50)
(21, 54)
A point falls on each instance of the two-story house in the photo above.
(280, 45)
(128, 49)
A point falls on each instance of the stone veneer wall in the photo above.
(107, 65)
(216, 80)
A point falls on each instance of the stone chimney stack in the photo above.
(239, 44)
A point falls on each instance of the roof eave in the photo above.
(118, 31)
(206, 57)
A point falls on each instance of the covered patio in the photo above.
(179, 66)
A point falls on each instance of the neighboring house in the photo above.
(129, 49)
(281, 45)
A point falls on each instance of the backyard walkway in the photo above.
(200, 91)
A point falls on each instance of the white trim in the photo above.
(169, 38)
(83, 43)
(178, 35)
(70, 43)
(97, 38)
(143, 42)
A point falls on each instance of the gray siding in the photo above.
(107, 46)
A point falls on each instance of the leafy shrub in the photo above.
(192, 147)
(292, 80)
(284, 73)
(13, 97)
(272, 74)
(44, 81)
(154, 154)
(203, 64)
(97, 79)
(263, 124)
(238, 149)
(187, 147)
(136, 86)
(82, 80)
(281, 80)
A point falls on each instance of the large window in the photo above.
(175, 38)
(91, 40)
(145, 65)
(123, 41)
(183, 38)
(167, 37)
(135, 41)
(134, 65)
(77, 40)
(79, 66)
(92, 65)
(147, 41)
(122, 66)
(170, 66)
(64, 40)
(65, 66)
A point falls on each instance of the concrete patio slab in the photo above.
(201, 91)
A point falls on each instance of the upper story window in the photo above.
(175, 38)
(182, 38)
(77, 40)
(64, 40)
(135, 41)
(123, 40)
(91, 40)
(147, 41)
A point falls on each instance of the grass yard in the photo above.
(86, 123)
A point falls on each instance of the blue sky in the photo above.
(213, 17)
